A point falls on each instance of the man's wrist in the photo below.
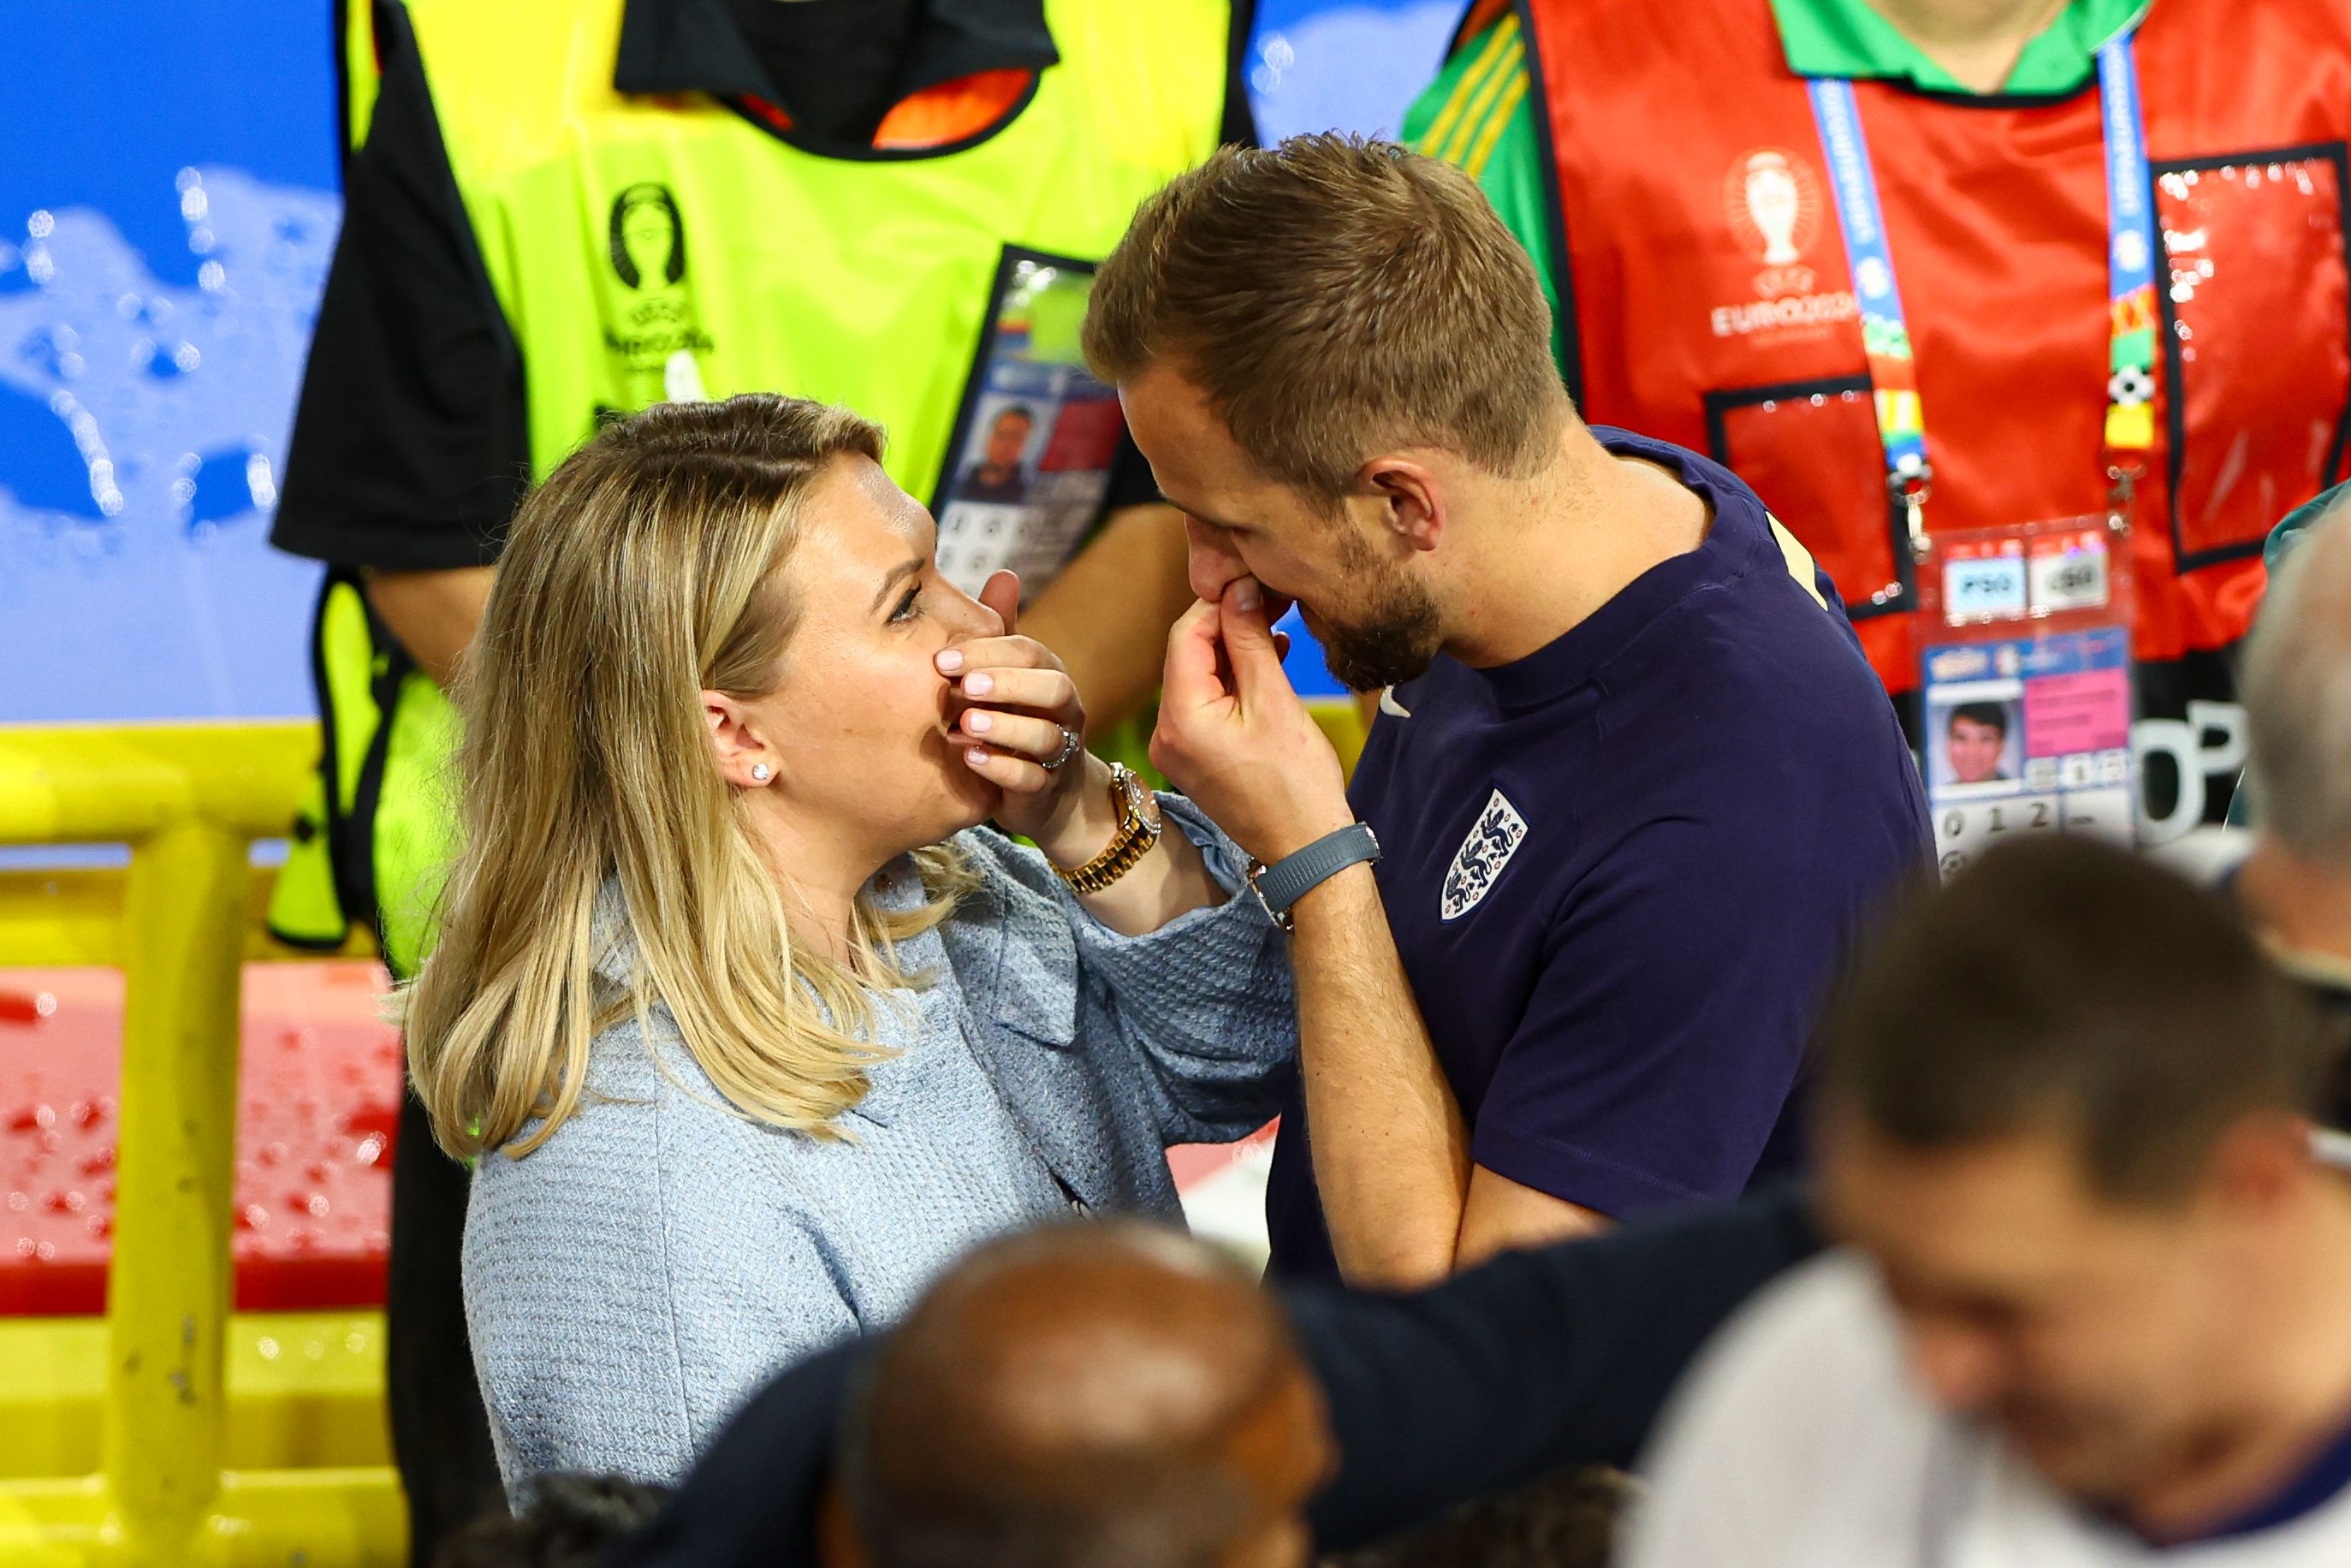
(1280, 887)
(1339, 888)
(1281, 846)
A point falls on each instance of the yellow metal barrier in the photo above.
(189, 799)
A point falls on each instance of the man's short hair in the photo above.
(572, 1522)
(1014, 410)
(1334, 296)
(1568, 1519)
(2297, 690)
(2058, 984)
(1991, 715)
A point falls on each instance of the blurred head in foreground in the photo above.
(2066, 1116)
(1087, 1396)
(2298, 689)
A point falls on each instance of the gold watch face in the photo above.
(1139, 801)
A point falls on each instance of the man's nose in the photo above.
(1961, 1367)
(1213, 561)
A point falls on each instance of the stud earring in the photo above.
(759, 771)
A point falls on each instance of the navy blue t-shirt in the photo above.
(1622, 872)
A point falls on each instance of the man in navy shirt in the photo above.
(1634, 787)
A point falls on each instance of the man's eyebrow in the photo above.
(895, 575)
(1198, 516)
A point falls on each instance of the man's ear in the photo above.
(745, 758)
(1411, 500)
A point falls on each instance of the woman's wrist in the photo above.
(1091, 823)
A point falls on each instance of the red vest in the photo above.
(1702, 304)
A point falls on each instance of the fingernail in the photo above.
(950, 661)
(1245, 596)
(975, 757)
(976, 685)
(978, 723)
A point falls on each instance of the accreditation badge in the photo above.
(2026, 690)
(1029, 467)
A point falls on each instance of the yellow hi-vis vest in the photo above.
(652, 247)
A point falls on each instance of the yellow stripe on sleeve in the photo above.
(1801, 565)
(1498, 41)
(1482, 152)
(1508, 69)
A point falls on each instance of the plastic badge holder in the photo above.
(2027, 687)
(1028, 386)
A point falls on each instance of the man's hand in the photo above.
(1234, 737)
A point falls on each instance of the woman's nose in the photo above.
(968, 618)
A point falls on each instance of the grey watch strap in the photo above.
(1293, 876)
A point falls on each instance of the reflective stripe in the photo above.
(1801, 564)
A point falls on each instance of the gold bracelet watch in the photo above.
(1138, 830)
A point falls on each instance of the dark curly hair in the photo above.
(571, 1520)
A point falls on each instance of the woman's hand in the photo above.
(1021, 707)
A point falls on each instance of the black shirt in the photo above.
(411, 446)
(1565, 1354)
(1485, 1382)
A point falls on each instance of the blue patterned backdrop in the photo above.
(167, 210)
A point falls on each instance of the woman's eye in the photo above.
(908, 606)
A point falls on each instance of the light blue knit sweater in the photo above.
(632, 1281)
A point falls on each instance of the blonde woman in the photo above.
(750, 1025)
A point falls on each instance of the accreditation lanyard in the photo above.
(1885, 331)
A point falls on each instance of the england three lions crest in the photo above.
(1488, 849)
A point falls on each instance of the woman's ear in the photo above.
(744, 760)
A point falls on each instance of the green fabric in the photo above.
(412, 835)
(306, 908)
(303, 909)
(416, 837)
(644, 253)
(1510, 173)
(361, 77)
(1848, 38)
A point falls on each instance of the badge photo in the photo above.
(1029, 465)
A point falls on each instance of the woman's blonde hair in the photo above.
(645, 571)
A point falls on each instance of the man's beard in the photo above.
(1398, 637)
(2100, 1454)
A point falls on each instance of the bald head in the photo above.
(2298, 689)
(1087, 1394)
